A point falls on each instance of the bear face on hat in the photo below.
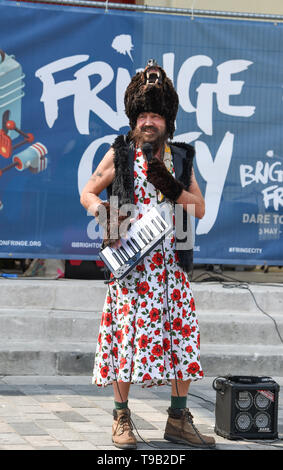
(151, 91)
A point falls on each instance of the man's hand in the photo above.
(159, 176)
(111, 221)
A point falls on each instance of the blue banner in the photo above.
(63, 74)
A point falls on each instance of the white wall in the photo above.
(251, 6)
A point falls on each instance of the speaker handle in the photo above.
(248, 379)
(219, 383)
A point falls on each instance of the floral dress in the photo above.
(149, 330)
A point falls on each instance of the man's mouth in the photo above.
(149, 130)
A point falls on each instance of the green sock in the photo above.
(121, 405)
(178, 402)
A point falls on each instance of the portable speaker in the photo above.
(246, 407)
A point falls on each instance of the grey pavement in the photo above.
(69, 413)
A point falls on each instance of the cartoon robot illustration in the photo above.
(11, 94)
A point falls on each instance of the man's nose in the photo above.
(148, 121)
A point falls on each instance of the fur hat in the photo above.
(152, 91)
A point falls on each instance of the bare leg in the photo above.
(121, 391)
(181, 389)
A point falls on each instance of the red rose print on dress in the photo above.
(193, 368)
(157, 259)
(140, 322)
(143, 329)
(186, 331)
(123, 362)
(192, 304)
(107, 319)
(143, 341)
(177, 324)
(167, 326)
(157, 350)
(176, 294)
(154, 314)
(146, 377)
(166, 344)
(119, 335)
(142, 288)
(104, 371)
(126, 309)
(109, 339)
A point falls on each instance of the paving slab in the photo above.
(83, 420)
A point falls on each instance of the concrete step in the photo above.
(240, 328)
(66, 358)
(50, 327)
(85, 295)
(46, 358)
(239, 359)
(75, 326)
(60, 294)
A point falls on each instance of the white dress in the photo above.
(140, 339)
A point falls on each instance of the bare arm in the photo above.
(193, 197)
(101, 178)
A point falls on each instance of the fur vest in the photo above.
(123, 184)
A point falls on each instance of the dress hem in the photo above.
(145, 383)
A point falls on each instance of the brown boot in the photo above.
(122, 434)
(181, 430)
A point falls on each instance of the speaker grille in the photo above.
(262, 420)
(243, 422)
(244, 400)
(261, 402)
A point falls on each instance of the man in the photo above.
(149, 329)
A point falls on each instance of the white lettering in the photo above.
(223, 88)
(276, 197)
(186, 72)
(262, 173)
(52, 92)
(214, 173)
(228, 87)
(85, 98)
(256, 218)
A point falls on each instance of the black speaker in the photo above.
(246, 407)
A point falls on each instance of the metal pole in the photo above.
(161, 9)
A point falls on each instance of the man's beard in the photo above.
(156, 138)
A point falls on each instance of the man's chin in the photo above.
(149, 138)
(153, 138)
